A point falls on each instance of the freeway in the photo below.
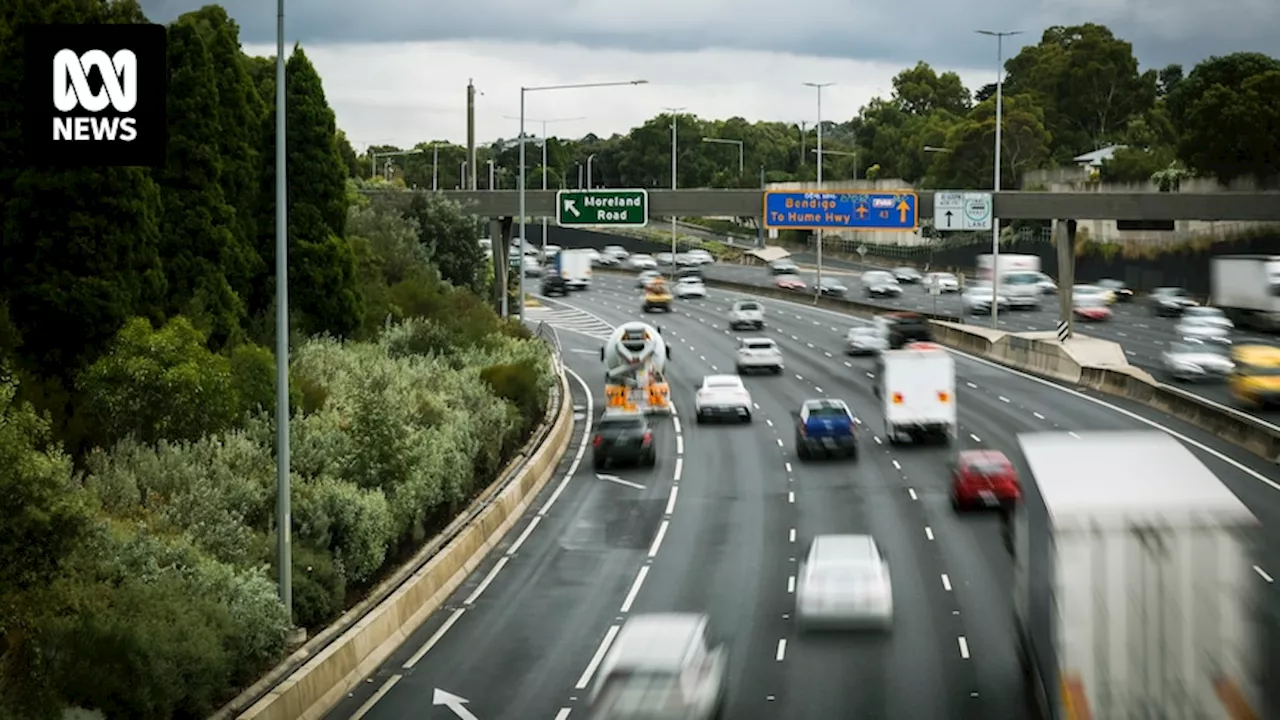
(1142, 335)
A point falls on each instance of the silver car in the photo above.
(976, 300)
(1203, 329)
(661, 666)
(878, 283)
(945, 282)
(1208, 315)
(1196, 361)
(844, 582)
(864, 340)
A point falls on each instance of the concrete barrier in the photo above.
(316, 686)
(1085, 361)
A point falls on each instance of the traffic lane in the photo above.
(486, 641)
(723, 552)
(922, 669)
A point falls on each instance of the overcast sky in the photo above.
(396, 70)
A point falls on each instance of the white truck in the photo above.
(1134, 594)
(1018, 278)
(635, 358)
(917, 385)
(575, 267)
(1247, 289)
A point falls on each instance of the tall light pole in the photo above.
(590, 158)
(725, 141)
(818, 87)
(675, 116)
(544, 164)
(520, 178)
(284, 512)
(490, 162)
(999, 35)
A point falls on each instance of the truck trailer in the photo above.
(1134, 593)
(1247, 289)
(635, 358)
(917, 385)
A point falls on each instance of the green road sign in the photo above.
(612, 208)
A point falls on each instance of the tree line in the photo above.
(137, 449)
(1078, 90)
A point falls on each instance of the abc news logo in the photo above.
(96, 95)
(71, 91)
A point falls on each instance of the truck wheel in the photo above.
(802, 452)
(747, 418)
(700, 418)
(777, 370)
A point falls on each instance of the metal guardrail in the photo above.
(434, 546)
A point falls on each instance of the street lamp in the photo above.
(675, 116)
(724, 141)
(544, 163)
(284, 512)
(590, 157)
(520, 178)
(490, 163)
(842, 153)
(999, 35)
(818, 87)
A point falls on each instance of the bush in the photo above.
(319, 591)
(517, 383)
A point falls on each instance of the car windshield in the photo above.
(879, 277)
(1111, 284)
(1089, 300)
(844, 576)
(748, 307)
(1196, 349)
(1171, 292)
(987, 467)
(760, 345)
(828, 412)
(1020, 279)
(723, 384)
(621, 423)
(690, 281)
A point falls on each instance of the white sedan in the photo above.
(722, 396)
(844, 582)
(691, 287)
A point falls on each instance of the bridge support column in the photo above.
(500, 237)
(1066, 244)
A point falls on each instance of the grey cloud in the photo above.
(896, 31)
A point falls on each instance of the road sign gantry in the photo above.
(885, 210)
(606, 208)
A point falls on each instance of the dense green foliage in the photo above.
(1078, 90)
(137, 440)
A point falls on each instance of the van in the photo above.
(1022, 289)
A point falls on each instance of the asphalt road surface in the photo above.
(718, 527)
(1143, 336)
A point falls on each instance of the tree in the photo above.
(920, 90)
(197, 225)
(451, 239)
(1228, 112)
(970, 162)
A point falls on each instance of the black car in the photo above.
(623, 437)
(833, 289)
(906, 327)
(1122, 292)
(1170, 301)
(553, 283)
(783, 267)
(907, 275)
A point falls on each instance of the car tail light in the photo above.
(897, 398)
(944, 396)
(648, 438)
(595, 441)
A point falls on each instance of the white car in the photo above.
(616, 252)
(759, 354)
(700, 257)
(722, 396)
(640, 261)
(746, 314)
(661, 665)
(665, 259)
(944, 281)
(844, 582)
(878, 283)
(690, 287)
(977, 300)
(1047, 285)
(864, 340)
(1203, 329)
(1209, 316)
(1195, 361)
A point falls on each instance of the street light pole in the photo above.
(490, 174)
(724, 141)
(675, 115)
(544, 164)
(995, 222)
(818, 87)
(520, 179)
(590, 157)
(284, 511)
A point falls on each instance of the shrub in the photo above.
(353, 523)
(517, 384)
(319, 591)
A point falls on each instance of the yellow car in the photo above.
(1256, 380)
(657, 296)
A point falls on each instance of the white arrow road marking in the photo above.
(620, 481)
(572, 207)
(453, 702)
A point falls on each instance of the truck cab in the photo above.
(825, 428)
(657, 296)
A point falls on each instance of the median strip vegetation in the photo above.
(137, 438)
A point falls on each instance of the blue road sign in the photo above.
(840, 210)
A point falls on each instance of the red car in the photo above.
(984, 478)
(1092, 312)
(788, 282)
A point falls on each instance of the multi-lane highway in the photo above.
(718, 525)
(1143, 336)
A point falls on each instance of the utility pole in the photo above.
(471, 135)
(818, 87)
(675, 116)
(284, 511)
(995, 222)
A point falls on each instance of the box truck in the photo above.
(1134, 588)
(1247, 289)
(575, 267)
(917, 386)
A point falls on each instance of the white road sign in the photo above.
(956, 210)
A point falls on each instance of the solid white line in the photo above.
(679, 445)
(524, 535)
(657, 539)
(484, 584)
(582, 448)
(782, 650)
(597, 658)
(563, 714)
(928, 532)
(791, 584)
(964, 648)
(671, 500)
(912, 492)
(382, 691)
(791, 536)
(635, 589)
(435, 638)
(946, 582)
(679, 470)
(791, 496)
(1264, 574)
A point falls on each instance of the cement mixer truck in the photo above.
(635, 359)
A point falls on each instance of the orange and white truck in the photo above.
(635, 358)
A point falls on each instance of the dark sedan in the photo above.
(623, 437)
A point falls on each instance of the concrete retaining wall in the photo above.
(313, 689)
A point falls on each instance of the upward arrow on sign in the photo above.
(948, 216)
